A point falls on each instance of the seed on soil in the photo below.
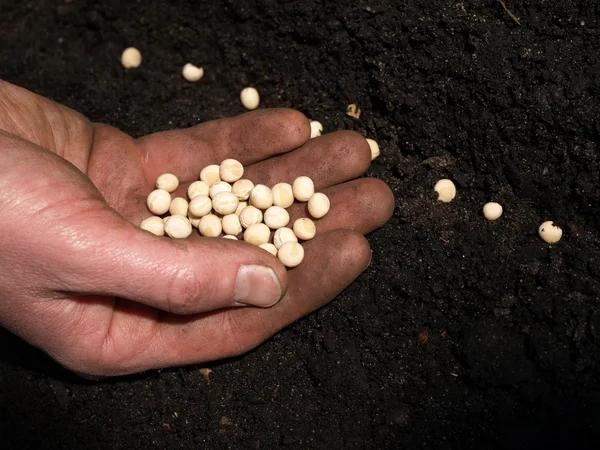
(178, 227)
(353, 111)
(549, 232)
(290, 254)
(210, 226)
(231, 170)
(210, 174)
(192, 73)
(492, 211)
(318, 205)
(241, 188)
(218, 187)
(131, 58)
(231, 224)
(283, 195)
(446, 190)
(276, 217)
(198, 188)
(270, 248)
(154, 225)
(158, 201)
(168, 182)
(283, 235)
(257, 234)
(303, 188)
(304, 229)
(315, 129)
(178, 207)
(225, 203)
(261, 197)
(250, 98)
(200, 206)
(374, 146)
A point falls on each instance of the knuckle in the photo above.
(184, 290)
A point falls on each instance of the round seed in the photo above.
(131, 58)
(284, 235)
(194, 220)
(257, 234)
(550, 233)
(305, 229)
(231, 224)
(168, 182)
(241, 206)
(261, 197)
(318, 205)
(374, 148)
(290, 254)
(218, 187)
(178, 227)
(276, 217)
(315, 129)
(225, 203)
(242, 188)
(492, 211)
(210, 174)
(200, 206)
(250, 98)
(178, 207)
(283, 195)
(154, 225)
(446, 190)
(198, 188)
(210, 226)
(158, 201)
(250, 215)
(231, 170)
(270, 248)
(192, 73)
(303, 188)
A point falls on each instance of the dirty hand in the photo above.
(80, 280)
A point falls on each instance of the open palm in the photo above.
(81, 281)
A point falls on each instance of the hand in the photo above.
(80, 280)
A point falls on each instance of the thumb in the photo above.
(178, 276)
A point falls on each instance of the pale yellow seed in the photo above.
(305, 228)
(198, 188)
(283, 195)
(158, 201)
(231, 170)
(241, 206)
(225, 203)
(315, 129)
(250, 98)
(131, 58)
(261, 197)
(231, 224)
(374, 146)
(276, 217)
(318, 205)
(250, 215)
(550, 233)
(194, 220)
(492, 211)
(210, 226)
(283, 235)
(257, 234)
(179, 207)
(446, 190)
(218, 187)
(178, 227)
(200, 206)
(154, 225)
(242, 188)
(168, 182)
(303, 188)
(290, 254)
(210, 174)
(192, 73)
(270, 248)
(229, 236)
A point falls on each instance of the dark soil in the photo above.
(462, 333)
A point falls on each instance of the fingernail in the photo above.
(256, 286)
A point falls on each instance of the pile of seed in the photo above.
(222, 203)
